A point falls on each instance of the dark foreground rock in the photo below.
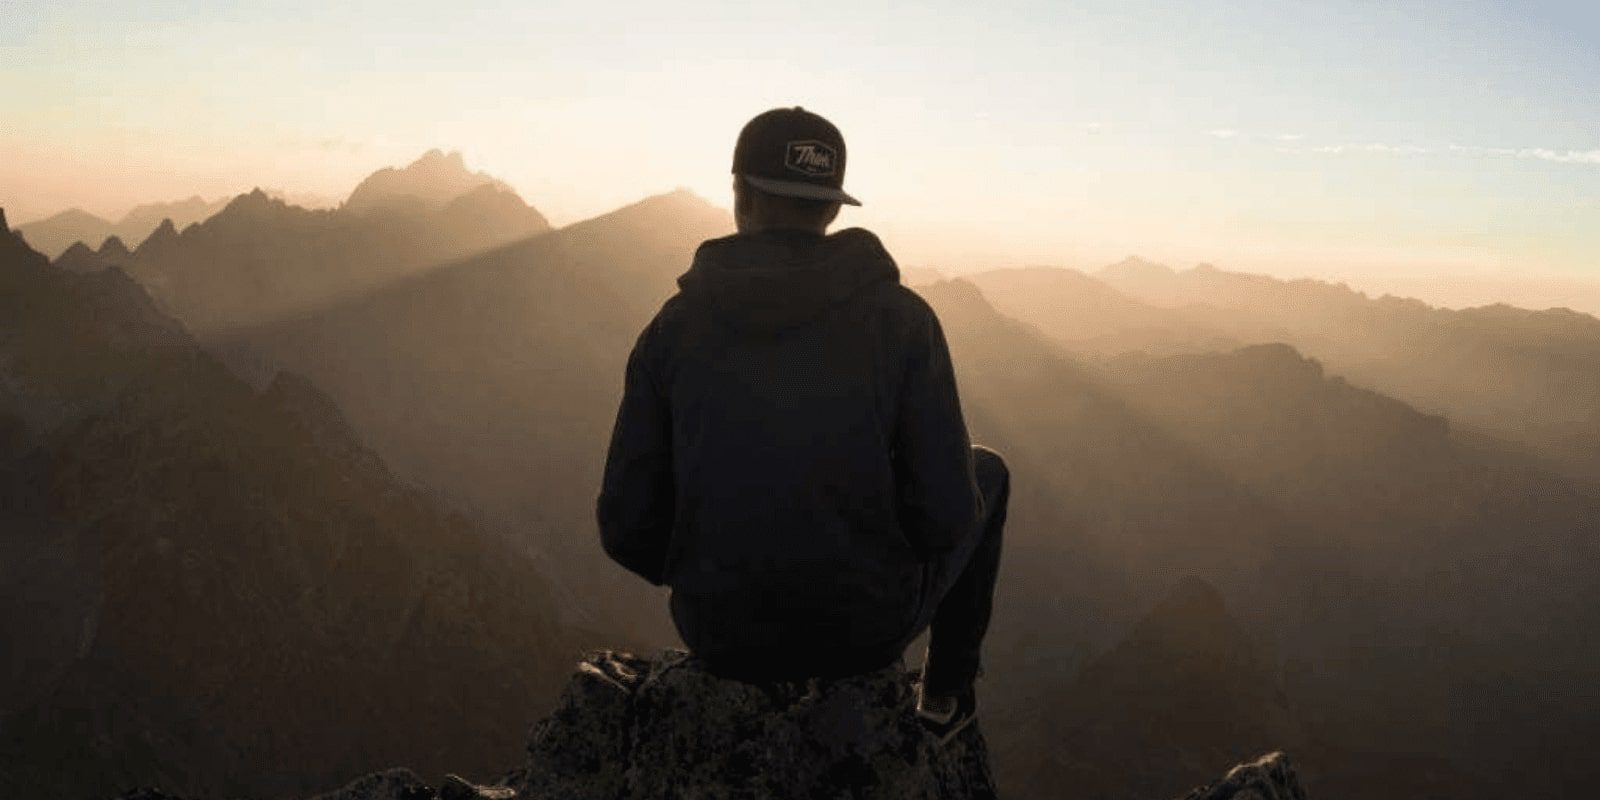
(1268, 778)
(629, 727)
(662, 728)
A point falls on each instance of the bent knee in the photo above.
(990, 467)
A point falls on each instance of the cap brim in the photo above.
(804, 191)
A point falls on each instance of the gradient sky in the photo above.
(1374, 140)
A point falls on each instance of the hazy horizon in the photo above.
(1442, 289)
(1406, 145)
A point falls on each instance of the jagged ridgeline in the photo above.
(222, 590)
(258, 258)
(56, 234)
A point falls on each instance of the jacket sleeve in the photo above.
(636, 504)
(939, 500)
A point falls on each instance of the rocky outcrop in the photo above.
(1269, 778)
(629, 727)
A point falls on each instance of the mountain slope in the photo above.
(1387, 558)
(494, 379)
(1527, 376)
(224, 591)
(1089, 316)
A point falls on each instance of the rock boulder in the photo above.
(666, 729)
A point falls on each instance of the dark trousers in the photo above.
(957, 609)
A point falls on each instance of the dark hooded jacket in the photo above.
(790, 455)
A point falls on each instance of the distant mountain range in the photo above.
(1385, 545)
(260, 259)
(1528, 377)
(1387, 559)
(54, 234)
(1291, 489)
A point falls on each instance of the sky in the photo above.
(1451, 145)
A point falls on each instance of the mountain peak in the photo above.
(165, 234)
(76, 216)
(439, 159)
(254, 203)
(434, 179)
(113, 247)
(676, 203)
(77, 252)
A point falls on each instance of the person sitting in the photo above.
(790, 455)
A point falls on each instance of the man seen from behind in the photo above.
(790, 455)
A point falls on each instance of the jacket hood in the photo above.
(773, 280)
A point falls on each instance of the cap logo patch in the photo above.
(812, 158)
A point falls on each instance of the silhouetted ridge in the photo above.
(493, 214)
(54, 234)
(429, 182)
(138, 222)
(14, 249)
(660, 209)
(260, 258)
(162, 239)
(254, 204)
(78, 258)
(113, 248)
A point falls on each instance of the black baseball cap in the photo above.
(791, 152)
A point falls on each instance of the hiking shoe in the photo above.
(946, 715)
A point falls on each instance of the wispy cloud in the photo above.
(1369, 147)
(1291, 143)
(1526, 153)
(1538, 153)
